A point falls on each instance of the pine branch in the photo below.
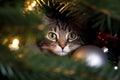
(10, 16)
(39, 66)
(54, 9)
(56, 70)
(100, 12)
(28, 64)
(108, 7)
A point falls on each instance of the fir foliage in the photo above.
(28, 63)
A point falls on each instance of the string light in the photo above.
(105, 49)
(116, 67)
(31, 6)
(14, 45)
(20, 56)
(5, 41)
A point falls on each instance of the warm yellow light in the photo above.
(20, 56)
(15, 42)
(14, 45)
(33, 4)
(30, 8)
(5, 41)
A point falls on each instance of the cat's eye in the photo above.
(52, 36)
(72, 36)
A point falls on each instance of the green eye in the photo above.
(72, 36)
(52, 36)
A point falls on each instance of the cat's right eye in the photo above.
(52, 36)
(72, 36)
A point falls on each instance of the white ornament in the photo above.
(92, 55)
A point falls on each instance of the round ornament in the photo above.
(93, 56)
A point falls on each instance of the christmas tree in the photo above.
(22, 25)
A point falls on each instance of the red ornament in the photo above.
(105, 39)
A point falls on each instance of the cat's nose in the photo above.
(62, 45)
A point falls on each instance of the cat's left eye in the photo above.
(72, 36)
(52, 36)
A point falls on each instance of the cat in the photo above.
(61, 38)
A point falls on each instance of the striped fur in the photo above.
(61, 39)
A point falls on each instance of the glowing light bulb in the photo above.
(33, 4)
(116, 67)
(105, 49)
(30, 8)
(15, 42)
(14, 45)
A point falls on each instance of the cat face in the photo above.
(61, 39)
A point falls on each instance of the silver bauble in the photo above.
(93, 56)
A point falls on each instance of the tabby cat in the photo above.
(61, 38)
